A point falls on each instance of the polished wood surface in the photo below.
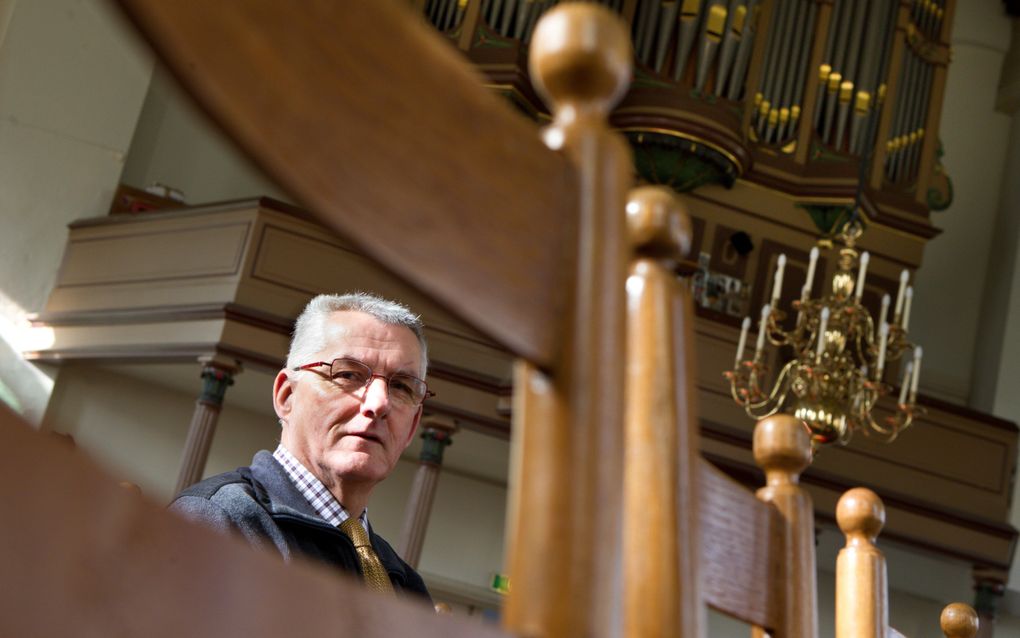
(660, 541)
(86, 557)
(959, 620)
(861, 583)
(565, 527)
(782, 448)
(383, 131)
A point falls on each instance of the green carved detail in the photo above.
(820, 153)
(704, 97)
(940, 193)
(215, 382)
(485, 38)
(829, 220)
(434, 442)
(986, 597)
(680, 164)
(645, 81)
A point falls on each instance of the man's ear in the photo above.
(283, 390)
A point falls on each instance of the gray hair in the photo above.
(310, 333)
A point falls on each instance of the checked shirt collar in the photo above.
(321, 500)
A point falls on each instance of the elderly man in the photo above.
(349, 401)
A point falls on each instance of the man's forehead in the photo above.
(351, 327)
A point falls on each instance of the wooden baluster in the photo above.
(782, 448)
(662, 593)
(959, 621)
(861, 585)
(566, 495)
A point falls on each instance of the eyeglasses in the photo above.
(351, 375)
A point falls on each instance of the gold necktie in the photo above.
(372, 571)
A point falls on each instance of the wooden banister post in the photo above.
(662, 593)
(782, 448)
(959, 621)
(565, 520)
(861, 585)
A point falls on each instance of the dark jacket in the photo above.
(262, 504)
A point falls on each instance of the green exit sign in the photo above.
(501, 583)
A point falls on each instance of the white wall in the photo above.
(72, 81)
(949, 285)
(177, 145)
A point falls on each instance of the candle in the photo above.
(810, 271)
(865, 256)
(917, 374)
(778, 281)
(906, 382)
(906, 307)
(821, 334)
(883, 332)
(899, 295)
(885, 310)
(766, 309)
(744, 327)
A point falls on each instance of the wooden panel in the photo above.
(741, 547)
(160, 259)
(127, 567)
(351, 149)
(153, 256)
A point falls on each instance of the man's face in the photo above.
(350, 437)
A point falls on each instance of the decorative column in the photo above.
(437, 434)
(217, 375)
(989, 586)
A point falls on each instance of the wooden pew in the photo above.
(618, 528)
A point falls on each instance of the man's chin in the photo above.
(358, 467)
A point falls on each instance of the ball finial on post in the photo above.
(959, 621)
(580, 58)
(658, 222)
(782, 447)
(860, 515)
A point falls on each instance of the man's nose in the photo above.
(376, 402)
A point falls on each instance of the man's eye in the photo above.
(401, 387)
(349, 376)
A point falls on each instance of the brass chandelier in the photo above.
(840, 354)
